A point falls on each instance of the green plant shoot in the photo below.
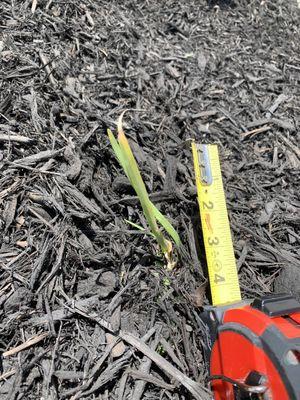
(153, 216)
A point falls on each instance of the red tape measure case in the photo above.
(253, 349)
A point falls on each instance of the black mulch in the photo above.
(222, 72)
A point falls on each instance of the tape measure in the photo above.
(223, 276)
(252, 347)
(252, 351)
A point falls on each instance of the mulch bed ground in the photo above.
(75, 276)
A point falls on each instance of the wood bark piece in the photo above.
(79, 197)
(144, 368)
(35, 158)
(46, 64)
(15, 138)
(25, 345)
(193, 387)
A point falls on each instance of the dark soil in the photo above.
(221, 72)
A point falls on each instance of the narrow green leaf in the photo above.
(123, 152)
(117, 150)
(140, 189)
(166, 225)
(139, 227)
(132, 167)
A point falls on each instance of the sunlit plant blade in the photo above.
(139, 227)
(166, 225)
(117, 150)
(140, 189)
(127, 161)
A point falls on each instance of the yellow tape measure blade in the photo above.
(223, 275)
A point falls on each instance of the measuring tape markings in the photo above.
(220, 257)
